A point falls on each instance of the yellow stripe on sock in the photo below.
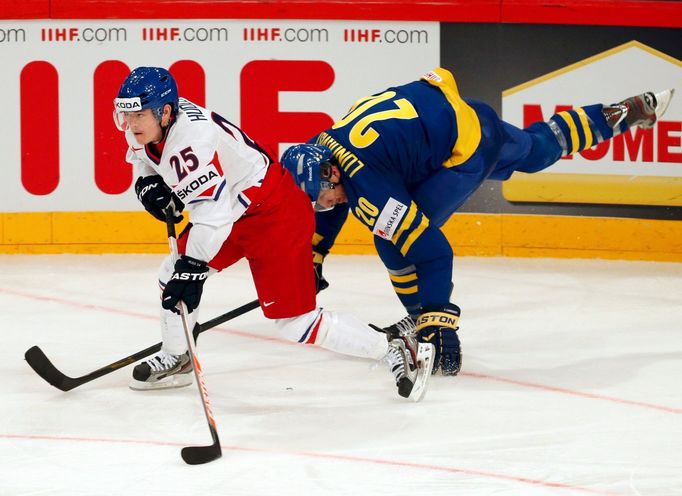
(575, 141)
(587, 130)
(403, 279)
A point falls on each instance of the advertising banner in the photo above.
(639, 167)
(282, 81)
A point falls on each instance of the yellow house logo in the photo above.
(639, 167)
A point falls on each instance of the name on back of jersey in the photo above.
(193, 112)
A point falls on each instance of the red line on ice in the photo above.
(347, 458)
(472, 375)
(570, 392)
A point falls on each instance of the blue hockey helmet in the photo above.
(146, 88)
(310, 166)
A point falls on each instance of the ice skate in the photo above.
(410, 362)
(399, 363)
(404, 327)
(162, 371)
(641, 110)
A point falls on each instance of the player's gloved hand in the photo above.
(438, 326)
(186, 284)
(320, 282)
(156, 196)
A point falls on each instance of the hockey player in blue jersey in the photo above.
(404, 160)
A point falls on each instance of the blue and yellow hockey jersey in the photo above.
(411, 156)
(388, 146)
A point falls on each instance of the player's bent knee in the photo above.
(300, 329)
(336, 332)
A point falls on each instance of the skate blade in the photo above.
(425, 354)
(172, 382)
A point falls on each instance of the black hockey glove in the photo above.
(439, 326)
(186, 284)
(156, 196)
(320, 282)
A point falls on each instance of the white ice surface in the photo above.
(571, 384)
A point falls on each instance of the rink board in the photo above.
(469, 234)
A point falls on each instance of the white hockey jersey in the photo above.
(209, 164)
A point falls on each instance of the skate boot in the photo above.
(641, 110)
(404, 327)
(162, 371)
(400, 364)
(410, 362)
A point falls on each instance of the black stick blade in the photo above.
(197, 455)
(43, 367)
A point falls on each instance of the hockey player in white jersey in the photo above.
(241, 204)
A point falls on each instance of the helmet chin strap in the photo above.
(164, 130)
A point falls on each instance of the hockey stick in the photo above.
(42, 365)
(194, 455)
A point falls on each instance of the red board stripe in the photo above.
(39, 100)
(191, 80)
(24, 9)
(113, 175)
(595, 12)
(659, 13)
(654, 13)
(433, 10)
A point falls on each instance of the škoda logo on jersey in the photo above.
(196, 183)
(128, 104)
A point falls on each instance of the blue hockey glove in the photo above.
(156, 196)
(186, 284)
(439, 326)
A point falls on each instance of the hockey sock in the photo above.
(582, 128)
(406, 286)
